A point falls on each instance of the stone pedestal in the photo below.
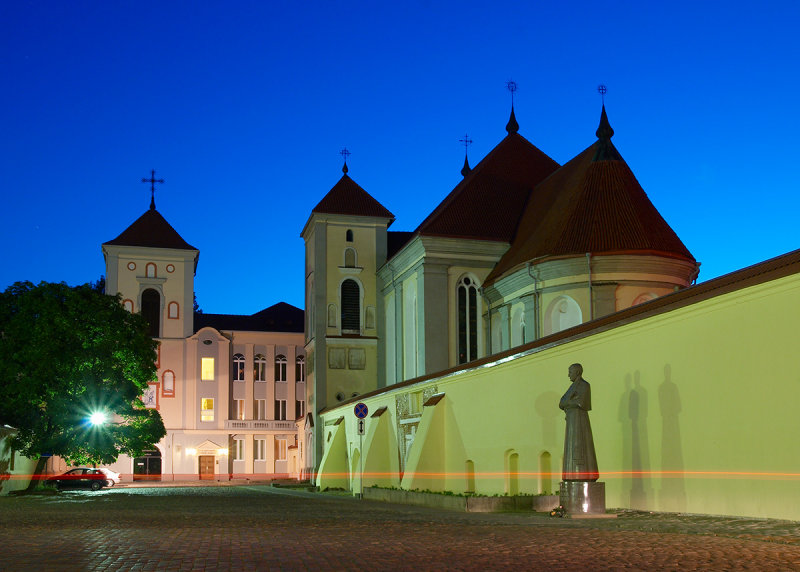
(583, 497)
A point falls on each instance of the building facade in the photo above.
(230, 388)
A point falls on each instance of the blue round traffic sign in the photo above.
(361, 410)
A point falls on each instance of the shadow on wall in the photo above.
(546, 406)
(633, 411)
(673, 485)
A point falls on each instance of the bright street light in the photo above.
(97, 418)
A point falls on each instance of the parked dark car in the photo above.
(80, 478)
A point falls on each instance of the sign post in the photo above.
(361, 411)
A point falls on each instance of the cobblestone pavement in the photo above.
(266, 528)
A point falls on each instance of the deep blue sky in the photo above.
(242, 108)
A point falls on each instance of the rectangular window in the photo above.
(207, 369)
(280, 448)
(261, 409)
(299, 408)
(207, 409)
(238, 449)
(238, 408)
(280, 409)
(260, 452)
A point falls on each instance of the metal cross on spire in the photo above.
(345, 154)
(152, 180)
(466, 141)
(602, 90)
(511, 85)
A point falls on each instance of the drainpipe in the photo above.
(535, 302)
(489, 314)
(589, 270)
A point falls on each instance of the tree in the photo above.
(65, 353)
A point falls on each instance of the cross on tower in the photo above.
(511, 85)
(466, 141)
(152, 180)
(345, 154)
(602, 90)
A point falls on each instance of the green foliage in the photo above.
(66, 352)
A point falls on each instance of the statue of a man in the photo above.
(580, 461)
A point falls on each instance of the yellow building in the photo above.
(230, 388)
(527, 267)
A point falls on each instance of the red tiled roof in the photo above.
(151, 230)
(592, 204)
(487, 204)
(348, 198)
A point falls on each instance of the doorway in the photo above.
(148, 466)
(206, 463)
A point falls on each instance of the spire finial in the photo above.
(512, 126)
(604, 130)
(466, 141)
(605, 148)
(345, 154)
(152, 180)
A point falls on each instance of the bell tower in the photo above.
(345, 244)
(153, 268)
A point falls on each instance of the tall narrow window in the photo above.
(238, 449)
(280, 448)
(467, 320)
(299, 408)
(349, 257)
(207, 369)
(261, 409)
(238, 367)
(168, 383)
(259, 449)
(150, 270)
(280, 410)
(300, 368)
(349, 235)
(280, 367)
(238, 409)
(207, 409)
(260, 368)
(351, 307)
(151, 311)
(173, 312)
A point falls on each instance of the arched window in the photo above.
(260, 368)
(151, 311)
(238, 367)
(173, 311)
(128, 305)
(280, 367)
(168, 383)
(150, 270)
(467, 294)
(300, 368)
(563, 312)
(351, 307)
(349, 257)
(349, 235)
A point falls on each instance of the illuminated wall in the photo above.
(695, 408)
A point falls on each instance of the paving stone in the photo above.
(256, 527)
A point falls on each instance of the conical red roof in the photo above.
(348, 198)
(153, 231)
(488, 202)
(592, 204)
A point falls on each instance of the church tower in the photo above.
(153, 268)
(345, 244)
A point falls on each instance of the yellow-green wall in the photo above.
(694, 410)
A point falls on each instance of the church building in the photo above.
(230, 388)
(455, 340)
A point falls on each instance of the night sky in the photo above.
(243, 108)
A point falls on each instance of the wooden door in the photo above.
(206, 463)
